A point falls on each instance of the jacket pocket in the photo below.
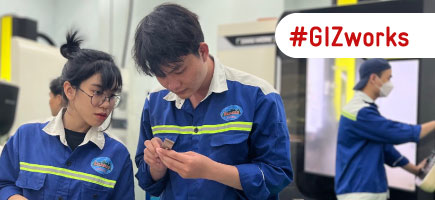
(94, 193)
(32, 184)
(229, 148)
(228, 138)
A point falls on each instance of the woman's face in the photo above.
(93, 112)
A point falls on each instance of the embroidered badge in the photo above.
(232, 112)
(102, 165)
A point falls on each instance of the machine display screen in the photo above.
(330, 86)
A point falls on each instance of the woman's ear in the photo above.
(69, 90)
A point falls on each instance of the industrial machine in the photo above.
(249, 47)
(30, 66)
(426, 178)
(8, 104)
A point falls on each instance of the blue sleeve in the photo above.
(10, 168)
(143, 174)
(124, 188)
(270, 169)
(393, 158)
(375, 127)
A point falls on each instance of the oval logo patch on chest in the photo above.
(232, 112)
(102, 165)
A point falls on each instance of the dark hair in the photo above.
(56, 86)
(84, 63)
(164, 36)
(379, 74)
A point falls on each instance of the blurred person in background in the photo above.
(56, 101)
(366, 138)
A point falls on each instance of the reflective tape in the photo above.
(204, 129)
(67, 174)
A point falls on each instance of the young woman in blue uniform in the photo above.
(70, 157)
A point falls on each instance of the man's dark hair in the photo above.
(56, 86)
(164, 36)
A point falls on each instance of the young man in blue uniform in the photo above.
(366, 138)
(228, 127)
(56, 102)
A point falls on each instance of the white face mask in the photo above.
(386, 89)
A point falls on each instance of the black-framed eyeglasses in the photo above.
(99, 99)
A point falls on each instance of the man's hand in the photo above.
(421, 165)
(17, 197)
(411, 168)
(157, 168)
(187, 164)
(194, 165)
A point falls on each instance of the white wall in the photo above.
(41, 10)
(101, 23)
(78, 14)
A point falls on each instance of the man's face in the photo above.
(385, 77)
(55, 103)
(186, 78)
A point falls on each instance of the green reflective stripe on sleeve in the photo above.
(348, 115)
(204, 129)
(67, 174)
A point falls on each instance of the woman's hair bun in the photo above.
(72, 45)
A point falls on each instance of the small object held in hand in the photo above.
(426, 178)
(167, 144)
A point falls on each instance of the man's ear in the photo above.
(203, 51)
(373, 78)
(69, 90)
